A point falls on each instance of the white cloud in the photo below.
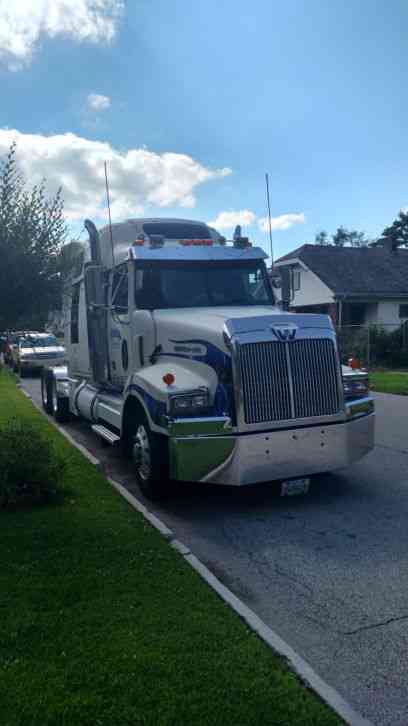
(137, 177)
(97, 102)
(284, 221)
(229, 220)
(24, 22)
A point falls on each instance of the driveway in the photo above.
(328, 571)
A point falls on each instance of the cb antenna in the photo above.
(109, 211)
(269, 216)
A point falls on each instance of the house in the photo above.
(354, 285)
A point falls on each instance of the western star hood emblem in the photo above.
(284, 332)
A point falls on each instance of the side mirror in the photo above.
(286, 287)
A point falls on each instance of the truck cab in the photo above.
(178, 351)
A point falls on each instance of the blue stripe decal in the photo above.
(213, 356)
(156, 409)
(220, 362)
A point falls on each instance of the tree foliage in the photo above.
(396, 235)
(342, 238)
(32, 230)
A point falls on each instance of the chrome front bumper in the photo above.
(237, 460)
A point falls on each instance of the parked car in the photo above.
(13, 338)
(36, 350)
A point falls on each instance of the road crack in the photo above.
(381, 624)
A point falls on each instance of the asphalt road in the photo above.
(328, 571)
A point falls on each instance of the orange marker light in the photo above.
(354, 363)
(168, 379)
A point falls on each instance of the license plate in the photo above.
(293, 487)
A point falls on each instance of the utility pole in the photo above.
(269, 216)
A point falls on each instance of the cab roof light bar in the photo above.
(196, 242)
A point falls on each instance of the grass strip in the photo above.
(389, 382)
(102, 623)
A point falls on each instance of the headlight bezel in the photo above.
(185, 404)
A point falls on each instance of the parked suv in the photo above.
(36, 350)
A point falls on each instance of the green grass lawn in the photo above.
(102, 623)
(389, 382)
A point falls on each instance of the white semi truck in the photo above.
(178, 351)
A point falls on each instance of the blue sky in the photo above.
(312, 92)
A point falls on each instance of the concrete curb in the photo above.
(327, 693)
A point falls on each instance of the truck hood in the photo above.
(186, 332)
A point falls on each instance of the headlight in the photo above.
(187, 404)
(355, 387)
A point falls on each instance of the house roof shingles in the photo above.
(356, 271)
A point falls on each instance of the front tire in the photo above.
(60, 406)
(46, 396)
(150, 457)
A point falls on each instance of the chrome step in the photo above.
(106, 434)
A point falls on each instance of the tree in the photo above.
(342, 238)
(396, 235)
(70, 260)
(32, 231)
(322, 238)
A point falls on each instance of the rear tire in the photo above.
(46, 393)
(150, 457)
(60, 405)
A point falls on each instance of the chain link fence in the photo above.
(375, 345)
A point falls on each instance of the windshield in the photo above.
(45, 342)
(178, 285)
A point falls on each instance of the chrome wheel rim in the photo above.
(54, 398)
(43, 392)
(141, 453)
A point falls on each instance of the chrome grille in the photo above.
(289, 380)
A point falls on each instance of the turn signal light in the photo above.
(168, 379)
(353, 363)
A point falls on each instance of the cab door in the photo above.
(120, 349)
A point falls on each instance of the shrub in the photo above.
(374, 345)
(30, 468)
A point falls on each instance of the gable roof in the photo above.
(357, 271)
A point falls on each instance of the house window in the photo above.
(296, 280)
(403, 311)
(75, 313)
